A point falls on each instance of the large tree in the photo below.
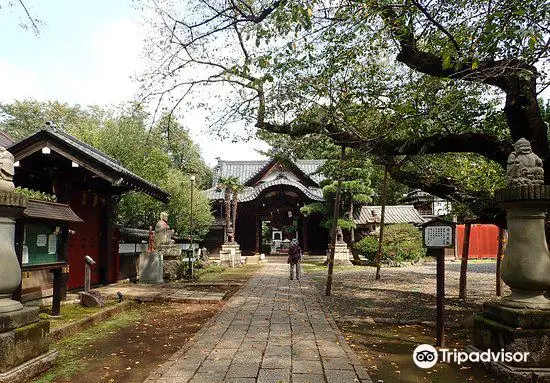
(125, 135)
(405, 77)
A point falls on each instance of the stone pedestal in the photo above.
(24, 345)
(230, 254)
(515, 330)
(341, 254)
(151, 267)
(171, 261)
(172, 269)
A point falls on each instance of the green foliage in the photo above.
(179, 206)
(402, 242)
(355, 189)
(123, 134)
(33, 194)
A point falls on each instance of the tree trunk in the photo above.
(352, 235)
(382, 217)
(335, 225)
(464, 262)
(500, 253)
(234, 222)
(227, 212)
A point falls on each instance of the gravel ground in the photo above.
(407, 294)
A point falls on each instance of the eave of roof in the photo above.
(393, 214)
(90, 158)
(50, 211)
(251, 193)
(5, 140)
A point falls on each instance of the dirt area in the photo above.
(405, 297)
(129, 346)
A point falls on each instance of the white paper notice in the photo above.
(25, 255)
(41, 240)
(52, 244)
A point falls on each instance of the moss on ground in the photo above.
(72, 312)
(227, 274)
(68, 363)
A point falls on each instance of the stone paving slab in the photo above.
(272, 330)
(159, 293)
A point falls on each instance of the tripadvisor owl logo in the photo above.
(425, 356)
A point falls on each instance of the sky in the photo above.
(88, 52)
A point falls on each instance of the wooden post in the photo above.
(382, 216)
(258, 224)
(335, 224)
(500, 253)
(440, 297)
(462, 286)
(57, 291)
(304, 233)
(19, 235)
(438, 234)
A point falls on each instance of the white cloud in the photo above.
(116, 57)
(18, 83)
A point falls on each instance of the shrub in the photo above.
(402, 242)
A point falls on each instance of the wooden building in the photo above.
(367, 218)
(91, 183)
(427, 205)
(269, 206)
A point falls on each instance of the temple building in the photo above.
(88, 182)
(268, 214)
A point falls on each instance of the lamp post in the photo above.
(192, 178)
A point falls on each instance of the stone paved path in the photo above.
(272, 330)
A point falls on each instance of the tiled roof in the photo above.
(5, 140)
(393, 214)
(418, 195)
(127, 233)
(251, 193)
(50, 210)
(128, 178)
(245, 170)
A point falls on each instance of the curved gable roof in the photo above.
(247, 170)
(86, 156)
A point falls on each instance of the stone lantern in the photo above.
(520, 322)
(24, 343)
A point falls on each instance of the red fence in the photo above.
(483, 241)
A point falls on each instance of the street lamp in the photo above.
(192, 178)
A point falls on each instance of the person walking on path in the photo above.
(294, 258)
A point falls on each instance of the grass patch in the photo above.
(314, 266)
(227, 274)
(69, 363)
(73, 312)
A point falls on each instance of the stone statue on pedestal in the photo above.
(6, 170)
(167, 250)
(339, 234)
(163, 233)
(524, 166)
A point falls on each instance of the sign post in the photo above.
(438, 234)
